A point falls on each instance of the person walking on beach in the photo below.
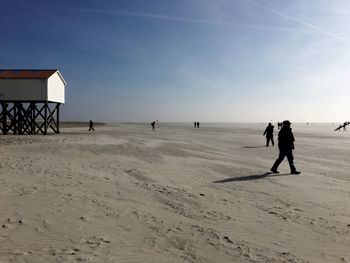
(269, 135)
(153, 126)
(197, 124)
(338, 129)
(91, 126)
(344, 125)
(286, 147)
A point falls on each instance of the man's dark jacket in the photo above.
(286, 139)
(269, 131)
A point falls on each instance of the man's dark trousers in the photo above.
(268, 139)
(283, 153)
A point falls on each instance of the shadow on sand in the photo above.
(252, 147)
(249, 177)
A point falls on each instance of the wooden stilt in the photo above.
(4, 118)
(19, 117)
(58, 117)
(45, 119)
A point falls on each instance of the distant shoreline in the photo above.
(188, 122)
(71, 124)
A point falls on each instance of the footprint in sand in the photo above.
(97, 241)
(138, 175)
(14, 222)
(213, 215)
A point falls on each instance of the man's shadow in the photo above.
(249, 177)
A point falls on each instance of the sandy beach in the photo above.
(179, 194)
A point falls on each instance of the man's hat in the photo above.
(286, 122)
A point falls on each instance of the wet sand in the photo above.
(179, 194)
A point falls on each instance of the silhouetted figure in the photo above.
(286, 147)
(269, 135)
(339, 127)
(342, 126)
(279, 125)
(91, 126)
(153, 126)
(197, 124)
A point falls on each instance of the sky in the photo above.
(186, 60)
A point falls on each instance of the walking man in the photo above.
(269, 135)
(153, 124)
(286, 147)
(91, 126)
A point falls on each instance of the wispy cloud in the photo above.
(193, 20)
(299, 21)
(156, 16)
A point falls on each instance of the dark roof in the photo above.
(26, 73)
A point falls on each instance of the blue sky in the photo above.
(185, 60)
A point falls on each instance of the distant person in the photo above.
(91, 126)
(197, 124)
(286, 147)
(153, 126)
(344, 125)
(339, 127)
(269, 135)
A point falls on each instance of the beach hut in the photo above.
(30, 101)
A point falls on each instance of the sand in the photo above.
(180, 194)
